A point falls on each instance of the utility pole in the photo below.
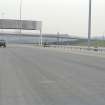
(2, 17)
(41, 37)
(89, 24)
(20, 24)
(103, 38)
(58, 38)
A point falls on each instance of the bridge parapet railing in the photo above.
(80, 48)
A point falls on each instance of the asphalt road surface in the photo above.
(35, 76)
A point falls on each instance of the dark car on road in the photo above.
(2, 43)
(45, 44)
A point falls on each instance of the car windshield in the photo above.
(52, 52)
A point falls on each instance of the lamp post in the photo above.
(58, 38)
(41, 36)
(89, 24)
(103, 36)
(2, 17)
(20, 25)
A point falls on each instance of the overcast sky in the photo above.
(64, 16)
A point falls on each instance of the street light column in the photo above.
(2, 17)
(89, 24)
(20, 15)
